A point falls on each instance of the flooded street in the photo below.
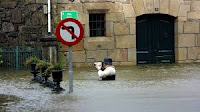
(152, 88)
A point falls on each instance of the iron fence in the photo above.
(15, 57)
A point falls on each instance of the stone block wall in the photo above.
(120, 40)
(188, 31)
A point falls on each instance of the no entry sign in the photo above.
(69, 31)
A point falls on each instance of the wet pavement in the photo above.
(154, 88)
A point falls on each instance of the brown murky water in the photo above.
(152, 88)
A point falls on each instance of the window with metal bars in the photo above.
(97, 24)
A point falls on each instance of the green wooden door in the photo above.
(155, 39)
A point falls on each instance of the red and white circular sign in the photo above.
(69, 31)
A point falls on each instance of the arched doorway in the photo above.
(155, 39)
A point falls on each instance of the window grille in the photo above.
(97, 25)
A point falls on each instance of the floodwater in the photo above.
(149, 88)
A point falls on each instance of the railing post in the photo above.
(17, 57)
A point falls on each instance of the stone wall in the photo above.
(22, 22)
(120, 40)
(188, 32)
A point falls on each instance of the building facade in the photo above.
(129, 31)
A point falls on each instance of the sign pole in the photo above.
(70, 32)
(70, 69)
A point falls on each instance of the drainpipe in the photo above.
(49, 16)
(49, 27)
(52, 50)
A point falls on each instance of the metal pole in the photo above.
(17, 58)
(70, 69)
